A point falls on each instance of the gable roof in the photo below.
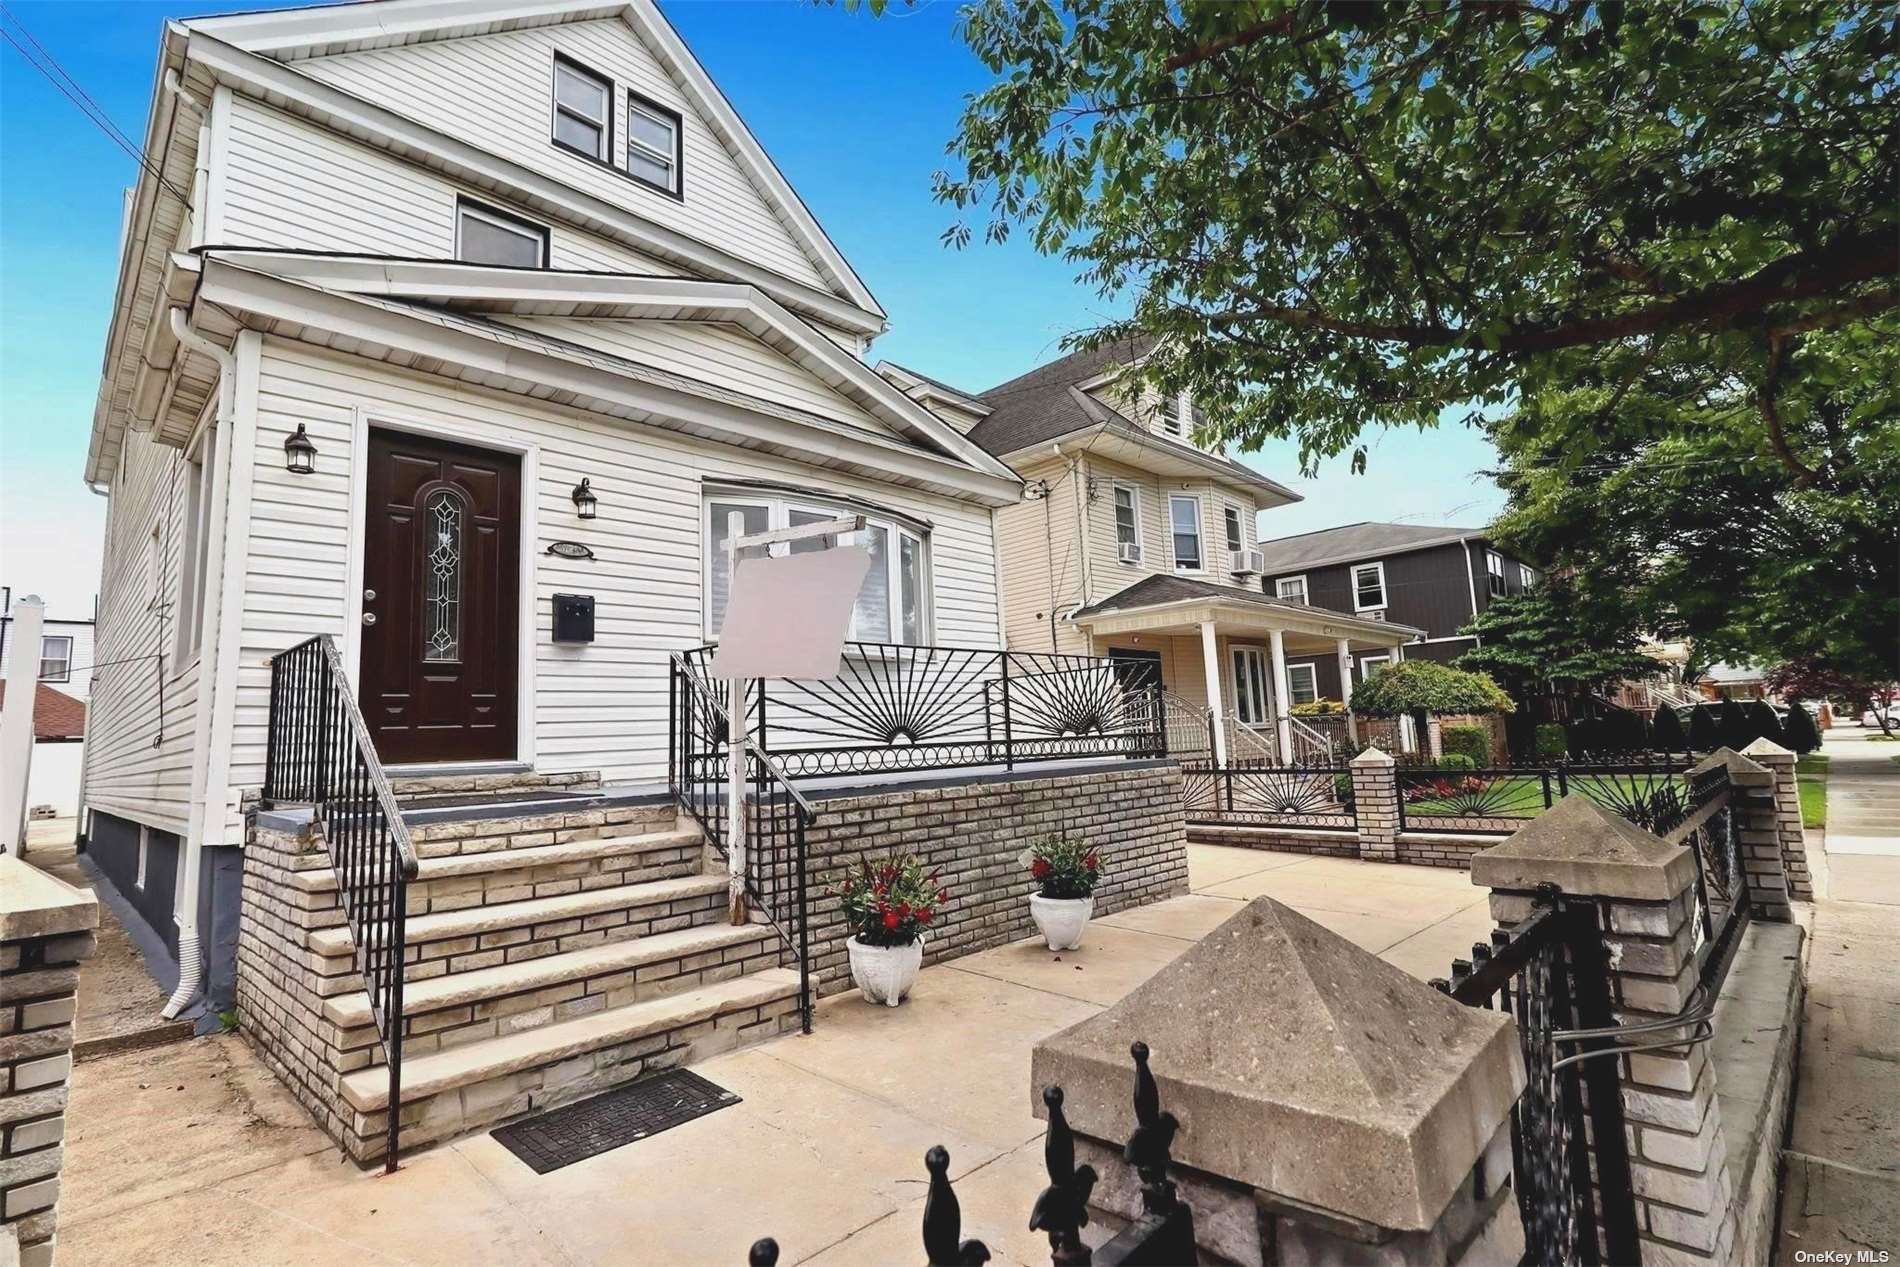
(933, 386)
(289, 35)
(56, 715)
(1037, 407)
(1350, 542)
(1161, 589)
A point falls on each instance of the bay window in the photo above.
(894, 602)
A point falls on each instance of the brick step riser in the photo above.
(438, 1029)
(424, 789)
(484, 1104)
(515, 884)
(440, 957)
(494, 835)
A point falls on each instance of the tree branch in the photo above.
(1804, 475)
(1233, 39)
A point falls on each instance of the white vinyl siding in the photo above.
(600, 707)
(492, 91)
(709, 352)
(140, 707)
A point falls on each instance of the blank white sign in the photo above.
(788, 616)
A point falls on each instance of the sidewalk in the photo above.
(1841, 1185)
(195, 1155)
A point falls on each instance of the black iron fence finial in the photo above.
(1063, 1208)
(1148, 1146)
(943, 1219)
(764, 1253)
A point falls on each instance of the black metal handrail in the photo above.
(895, 707)
(319, 753)
(1551, 974)
(776, 871)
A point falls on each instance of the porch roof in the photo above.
(1157, 603)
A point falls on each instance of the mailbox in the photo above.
(573, 618)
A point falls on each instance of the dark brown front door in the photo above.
(441, 579)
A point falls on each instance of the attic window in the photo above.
(653, 144)
(484, 235)
(583, 112)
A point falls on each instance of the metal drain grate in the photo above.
(575, 1132)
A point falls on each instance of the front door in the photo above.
(441, 579)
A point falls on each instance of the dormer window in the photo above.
(583, 110)
(1177, 415)
(653, 144)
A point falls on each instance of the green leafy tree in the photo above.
(1351, 216)
(1424, 686)
(1550, 638)
(1806, 680)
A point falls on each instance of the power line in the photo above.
(55, 74)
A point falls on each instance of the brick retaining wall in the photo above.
(975, 833)
(1339, 844)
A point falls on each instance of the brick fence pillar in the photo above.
(1794, 852)
(1644, 888)
(46, 930)
(1375, 796)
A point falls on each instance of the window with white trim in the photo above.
(56, 658)
(583, 110)
(1368, 586)
(1494, 573)
(1236, 540)
(1525, 577)
(653, 144)
(1370, 664)
(1127, 519)
(485, 235)
(1176, 415)
(1302, 683)
(1290, 589)
(1184, 521)
(894, 603)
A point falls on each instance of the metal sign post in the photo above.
(738, 742)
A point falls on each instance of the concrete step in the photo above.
(461, 881)
(480, 824)
(425, 785)
(465, 1007)
(449, 940)
(467, 1088)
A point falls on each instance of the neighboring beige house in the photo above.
(1137, 543)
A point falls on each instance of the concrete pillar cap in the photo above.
(35, 904)
(1373, 756)
(1300, 1066)
(1766, 747)
(1586, 851)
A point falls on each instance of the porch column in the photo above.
(1345, 689)
(1281, 695)
(1210, 657)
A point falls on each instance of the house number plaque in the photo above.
(569, 550)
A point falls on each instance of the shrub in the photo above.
(1763, 722)
(1705, 729)
(1665, 731)
(1470, 741)
(1800, 733)
(1624, 731)
(1412, 686)
(1585, 734)
(1063, 867)
(1550, 743)
(1734, 727)
(889, 901)
(1318, 708)
(1456, 761)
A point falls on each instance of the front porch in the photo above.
(1243, 661)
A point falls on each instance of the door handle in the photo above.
(369, 618)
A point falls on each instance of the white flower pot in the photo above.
(1061, 919)
(885, 974)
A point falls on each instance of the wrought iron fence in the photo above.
(775, 865)
(1551, 974)
(1269, 796)
(1708, 827)
(1651, 793)
(1162, 1236)
(895, 708)
(318, 752)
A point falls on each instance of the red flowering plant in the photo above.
(1063, 867)
(890, 901)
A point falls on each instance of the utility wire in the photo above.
(55, 74)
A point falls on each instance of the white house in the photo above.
(65, 677)
(429, 312)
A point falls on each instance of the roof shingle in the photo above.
(1355, 541)
(56, 715)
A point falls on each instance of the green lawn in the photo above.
(1812, 767)
(1522, 796)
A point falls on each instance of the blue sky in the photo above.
(855, 110)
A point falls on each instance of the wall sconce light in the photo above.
(586, 505)
(300, 455)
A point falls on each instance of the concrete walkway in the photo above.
(193, 1154)
(1841, 1187)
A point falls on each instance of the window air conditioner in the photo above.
(1130, 551)
(1247, 561)
(1378, 614)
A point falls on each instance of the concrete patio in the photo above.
(194, 1154)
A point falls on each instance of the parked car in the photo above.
(1871, 718)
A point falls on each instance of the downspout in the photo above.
(190, 956)
(1471, 585)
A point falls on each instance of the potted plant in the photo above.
(888, 904)
(1065, 871)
